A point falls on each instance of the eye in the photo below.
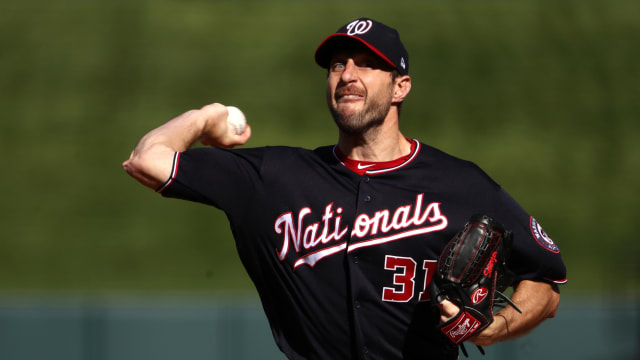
(337, 67)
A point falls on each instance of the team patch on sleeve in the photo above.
(541, 237)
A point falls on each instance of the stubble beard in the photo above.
(365, 120)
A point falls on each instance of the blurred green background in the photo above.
(544, 95)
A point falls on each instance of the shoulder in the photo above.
(276, 158)
(291, 154)
(430, 154)
(285, 159)
(451, 169)
(263, 152)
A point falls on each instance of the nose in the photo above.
(350, 72)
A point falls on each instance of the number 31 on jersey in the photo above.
(404, 278)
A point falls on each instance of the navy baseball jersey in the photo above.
(341, 251)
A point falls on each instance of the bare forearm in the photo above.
(177, 134)
(537, 300)
(151, 160)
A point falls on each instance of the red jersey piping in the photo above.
(375, 168)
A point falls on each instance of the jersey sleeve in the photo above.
(534, 255)
(224, 178)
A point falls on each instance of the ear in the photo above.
(401, 88)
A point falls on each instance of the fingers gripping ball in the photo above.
(467, 275)
(236, 120)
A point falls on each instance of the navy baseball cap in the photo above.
(384, 41)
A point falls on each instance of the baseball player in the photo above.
(341, 241)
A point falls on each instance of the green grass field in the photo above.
(543, 95)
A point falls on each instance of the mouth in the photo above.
(348, 95)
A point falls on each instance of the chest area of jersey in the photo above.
(319, 225)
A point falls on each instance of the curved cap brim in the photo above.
(338, 41)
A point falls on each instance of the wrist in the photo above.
(503, 332)
(497, 331)
(211, 124)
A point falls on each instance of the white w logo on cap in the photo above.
(359, 27)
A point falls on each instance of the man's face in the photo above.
(359, 91)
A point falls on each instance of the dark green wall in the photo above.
(543, 95)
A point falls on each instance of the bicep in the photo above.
(533, 256)
(226, 179)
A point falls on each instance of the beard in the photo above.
(370, 117)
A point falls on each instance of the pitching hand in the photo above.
(216, 132)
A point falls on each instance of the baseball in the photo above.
(236, 120)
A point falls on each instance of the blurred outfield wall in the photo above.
(544, 95)
(167, 328)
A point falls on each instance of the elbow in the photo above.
(128, 165)
(140, 167)
(133, 166)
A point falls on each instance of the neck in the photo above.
(383, 143)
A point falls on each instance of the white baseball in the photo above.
(236, 120)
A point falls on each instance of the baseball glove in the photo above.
(469, 272)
